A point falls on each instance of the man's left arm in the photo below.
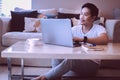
(101, 39)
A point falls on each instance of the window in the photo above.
(0, 6)
(7, 5)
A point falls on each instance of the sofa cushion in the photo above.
(12, 37)
(116, 13)
(67, 15)
(50, 13)
(99, 20)
(68, 10)
(17, 21)
(32, 25)
(116, 34)
(75, 21)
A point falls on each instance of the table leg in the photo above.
(22, 69)
(9, 69)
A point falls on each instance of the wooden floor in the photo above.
(38, 71)
(103, 74)
(17, 71)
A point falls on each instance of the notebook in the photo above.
(57, 32)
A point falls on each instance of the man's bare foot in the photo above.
(40, 78)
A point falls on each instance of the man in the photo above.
(87, 33)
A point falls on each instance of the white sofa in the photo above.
(9, 38)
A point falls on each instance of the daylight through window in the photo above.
(7, 5)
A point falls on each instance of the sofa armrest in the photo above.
(4, 27)
(5, 24)
(111, 25)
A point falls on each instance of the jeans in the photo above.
(62, 66)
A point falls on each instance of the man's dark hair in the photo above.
(93, 9)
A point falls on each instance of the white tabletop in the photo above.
(21, 50)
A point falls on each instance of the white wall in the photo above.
(105, 6)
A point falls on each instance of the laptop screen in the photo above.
(57, 32)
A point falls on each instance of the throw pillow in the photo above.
(67, 15)
(17, 21)
(18, 9)
(99, 20)
(50, 13)
(116, 13)
(75, 21)
(70, 11)
(32, 25)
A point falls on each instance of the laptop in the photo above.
(57, 32)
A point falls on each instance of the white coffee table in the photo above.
(46, 51)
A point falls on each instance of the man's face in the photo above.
(85, 16)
